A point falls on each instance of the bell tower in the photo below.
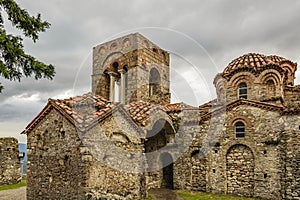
(131, 68)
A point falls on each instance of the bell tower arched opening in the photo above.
(154, 82)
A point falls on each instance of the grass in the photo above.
(13, 186)
(207, 196)
(150, 197)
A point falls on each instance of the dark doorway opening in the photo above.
(167, 175)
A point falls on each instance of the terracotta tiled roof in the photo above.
(276, 59)
(139, 111)
(253, 60)
(88, 109)
(177, 107)
(84, 109)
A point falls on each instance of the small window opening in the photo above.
(66, 158)
(271, 90)
(214, 170)
(216, 151)
(117, 91)
(265, 152)
(154, 82)
(240, 129)
(243, 91)
(265, 175)
(63, 134)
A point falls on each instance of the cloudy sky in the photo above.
(203, 36)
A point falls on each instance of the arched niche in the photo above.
(167, 170)
(154, 82)
(240, 170)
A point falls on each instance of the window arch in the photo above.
(115, 66)
(154, 82)
(271, 90)
(239, 129)
(243, 90)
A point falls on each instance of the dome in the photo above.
(276, 59)
(252, 60)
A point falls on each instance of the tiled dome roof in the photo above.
(276, 59)
(252, 60)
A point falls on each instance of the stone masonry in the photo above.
(9, 161)
(125, 137)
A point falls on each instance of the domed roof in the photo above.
(276, 59)
(252, 60)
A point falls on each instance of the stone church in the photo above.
(126, 137)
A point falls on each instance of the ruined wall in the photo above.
(56, 168)
(9, 162)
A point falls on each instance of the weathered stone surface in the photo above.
(9, 161)
(246, 145)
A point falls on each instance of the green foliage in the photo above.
(208, 196)
(14, 62)
(13, 186)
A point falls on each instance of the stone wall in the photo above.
(9, 161)
(138, 55)
(56, 168)
(240, 171)
(215, 138)
(115, 170)
(290, 157)
(96, 165)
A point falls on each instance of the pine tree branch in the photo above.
(20, 18)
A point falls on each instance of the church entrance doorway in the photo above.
(167, 171)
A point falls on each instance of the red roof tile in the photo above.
(253, 60)
(88, 109)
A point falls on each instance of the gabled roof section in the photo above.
(81, 111)
(140, 111)
(239, 102)
(87, 110)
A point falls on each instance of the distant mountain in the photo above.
(23, 148)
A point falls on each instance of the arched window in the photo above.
(239, 129)
(271, 90)
(154, 82)
(117, 91)
(115, 66)
(126, 84)
(243, 90)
